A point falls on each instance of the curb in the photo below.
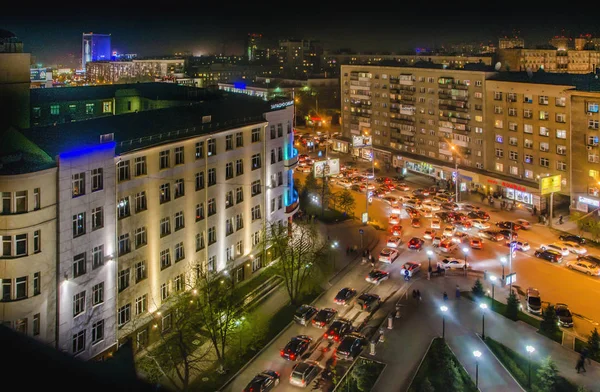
(461, 364)
(412, 379)
(500, 362)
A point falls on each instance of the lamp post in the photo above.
(493, 280)
(444, 309)
(477, 354)
(465, 251)
(530, 350)
(503, 261)
(334, 245)
(429, 254)
(483, 307)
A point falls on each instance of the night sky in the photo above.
(54, 30)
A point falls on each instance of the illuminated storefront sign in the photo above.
(281, 105)
(587, 200)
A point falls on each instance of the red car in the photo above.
(415, 243)
(396, 230)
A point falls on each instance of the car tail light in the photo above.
(281, 353)
(292, 356)
(336, 338)
(325, 336)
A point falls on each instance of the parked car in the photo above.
(432, 205)
(476, 243)
(388, 255)
(263, 381)
(412, 267)
(304, 314)
(376, 276)
(534, 301)
(584, 266)
(344, 296)
(296, 347)
(565, 318)
(574, 247)
(368, 302)
(450, 206)
(556, 246)
(394, 242)
(549, 254)
(415, 243)
(350, 347)
(303, 373)
(460, 237)
(324, 317)
(573, 238)
(338, 329)
(452, 263)
(591, 258)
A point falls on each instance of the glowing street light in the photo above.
(444, 309)
(483, 307)
(493, 280)
(530, 350)
(477, 354)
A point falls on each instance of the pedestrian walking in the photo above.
(580, 366)
(457, 292)
(414, 293)
(419, 294)
(445, 296)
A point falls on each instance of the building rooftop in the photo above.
(582, 82)
(132, 131)
(469, 67)
(158, 91)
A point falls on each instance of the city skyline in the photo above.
(216, 31)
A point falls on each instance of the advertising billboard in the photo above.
(550, 184)
(361, 141)
(38, 74)
(329, 167)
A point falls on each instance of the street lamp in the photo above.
(530, 350)
(334, 245)
(503, 261)
(444, 309)
(429, 254)
(465, 251)
(477, 354)
(493, 279)
(483, 307)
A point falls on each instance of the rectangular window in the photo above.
(498, 109)
(528, 143)
(199, 150)
(21, 287)
(179, 252)
(239, 222)
(528, 128)
(54, 110)
(255, 212)
(229, 226)
(37, 283)
(140, 202)
(36, 324)
(212, 177)
(514, 170)
(212, 147)
(165, 258)
(544, 146)
(593, 124)
(527, 113)
(124, 314)
(179, 221)
(543, 100)
(141, 304)
(141, 237)
(78, 303)
(107, 107)
(164, 159)
(21, 245)
(199, 181)
(228, 142)
(97, 218)
(561, 118)
(123, 171)
(279, 130)
(256, 188)
(6, 202)
(229, 253)
(212, 264)
(164, 291)
(98, 294)
(6, 289)
(78, 184)
(544, 131)
(229, 170)
(239, 139)
(561, 150)
(97, 331)
(528, 158)
(212, 235)
(179, 188)
(255, 238)
(239, 195)
(165, 193)
(499, 153)
(179, 156)
(562, 166)
(97, 256)
(513, 141)
(165, 226)
(212, 206)
(256, 135)
(141, 167)
(79, 264)
(78, 342)
(499, 167)
(89, 108)
(97, 179)
(141, 271)
(273, 133)
(273, 157)
(256, 263)
(513, 126)
(256, 163)
(279, 202)
(123, 208)
(239, 167)
(513, 155)
(545, 162)
(561, 133)
(528, 173)
(124, 244)
(199, 241)
(37, 199)
(199, 212)
(544, 115)
(498, 95)
(560, 101)
(179, 283)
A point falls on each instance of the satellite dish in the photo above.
(498, 66)
(529, 72)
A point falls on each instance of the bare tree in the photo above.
(346, 202)
(300, 253)
(217, 309)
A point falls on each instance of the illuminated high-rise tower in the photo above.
(95, 47)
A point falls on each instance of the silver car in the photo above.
(303, 373)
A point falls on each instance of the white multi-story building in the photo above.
(141, 200)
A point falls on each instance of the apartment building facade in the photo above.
(126, 215)
(550, 60)
(113, 71)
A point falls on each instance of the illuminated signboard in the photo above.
(589, 201)
(550, 184)
(38, 74)
(281, 105)
(329, 167)
(361, 141)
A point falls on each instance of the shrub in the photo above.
(593, 344)
(477, 289)
(549, 323)
(512, 306)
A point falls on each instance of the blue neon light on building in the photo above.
(78, 152)
(95, 47)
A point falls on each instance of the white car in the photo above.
(344, 182)
(558, 247)
(460, 237)
(432, 206)
(436, 224)
(522, 246)
(429, 234)
(394, 242)
(436, 241)
(478, 223)
(402, 187)
(574, 247)
(584, 266)
(388, 255)
(447, 245)
(394, 219)
(449, 231)
(451, 263)
(412, 267)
